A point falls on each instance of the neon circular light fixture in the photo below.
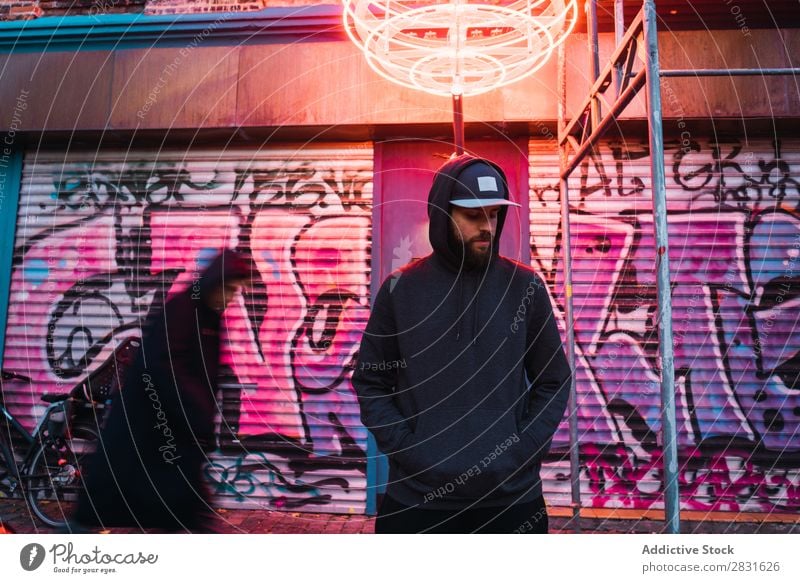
(460, 47)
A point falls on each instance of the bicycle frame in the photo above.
(40, 477)
(16, 426)
(32, 440)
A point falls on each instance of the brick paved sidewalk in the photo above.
(15, 514)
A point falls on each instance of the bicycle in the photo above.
(49, 476)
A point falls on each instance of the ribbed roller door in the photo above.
(734, 236)
(102, 235)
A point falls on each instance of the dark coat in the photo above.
(147, 470)
(461, 375)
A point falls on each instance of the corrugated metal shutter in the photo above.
(101, 235)
(734, 252)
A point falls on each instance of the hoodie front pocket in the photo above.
(463, 453)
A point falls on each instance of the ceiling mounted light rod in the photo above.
(458, 48)
(458, 123)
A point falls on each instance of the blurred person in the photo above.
(147, 469)
(482, 385)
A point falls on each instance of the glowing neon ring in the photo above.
(395, 46)
(496, 69)
(410, 76)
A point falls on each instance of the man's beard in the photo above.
(474, 259)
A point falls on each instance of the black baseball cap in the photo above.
(480, 185)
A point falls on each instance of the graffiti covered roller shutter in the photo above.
(734, 233)
(103, 236)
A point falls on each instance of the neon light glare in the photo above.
(460, 47)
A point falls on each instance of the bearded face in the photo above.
(474, 230)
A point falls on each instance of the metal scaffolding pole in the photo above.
(591, 125)
(608, 120)
(594, 53)
(728, 72)
(582, 134)
(665, 338)
(622, 52)
(619, 33)
(566, 245)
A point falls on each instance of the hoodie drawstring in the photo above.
(475, 315)
(475, 300)
(460, 304)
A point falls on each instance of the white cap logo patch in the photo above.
(487, 183)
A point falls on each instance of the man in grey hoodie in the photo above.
(482, 384)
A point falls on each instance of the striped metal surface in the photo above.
(734, 227)
(102, 235)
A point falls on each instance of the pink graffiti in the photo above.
(725, 481)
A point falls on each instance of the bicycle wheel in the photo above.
(54, 478)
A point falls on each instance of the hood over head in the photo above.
(447, 187)
(228, 265)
